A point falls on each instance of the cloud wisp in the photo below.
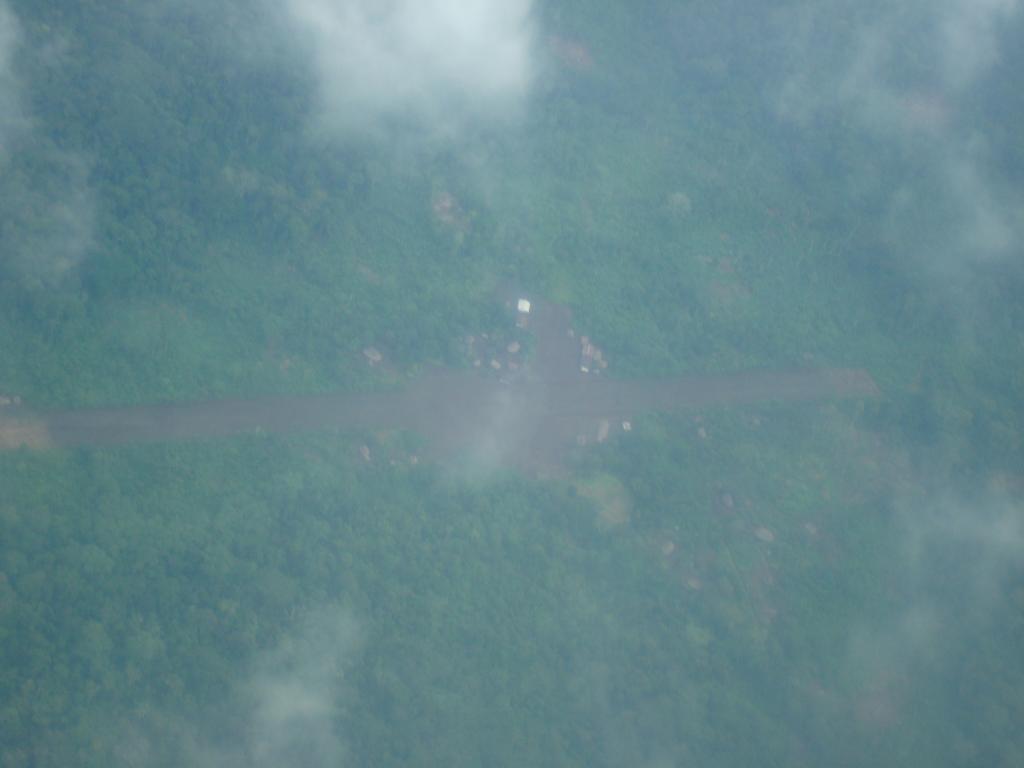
(48, 218)
(960, 562)
(429, 66)
(12, 119)
(294, 694)
(907, 77)
(47, 208)
(287, 710)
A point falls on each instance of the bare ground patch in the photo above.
(610, 496)
(15, 434)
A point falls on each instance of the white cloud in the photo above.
(431, 65)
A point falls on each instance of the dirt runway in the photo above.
(527, 420)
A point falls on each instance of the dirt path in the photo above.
(529, 420)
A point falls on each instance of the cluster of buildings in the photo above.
(494, 353)
(592, 359)
(489, 352)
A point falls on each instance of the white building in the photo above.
(523, 305)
